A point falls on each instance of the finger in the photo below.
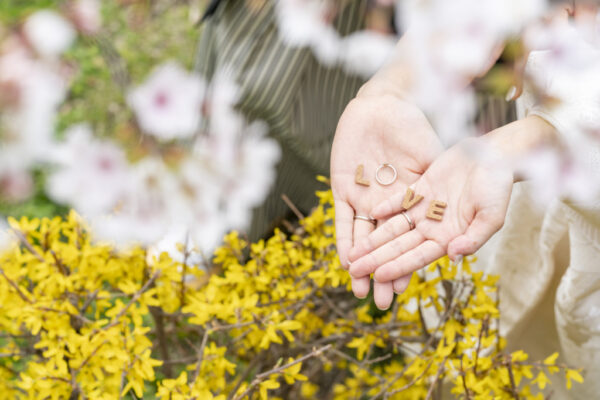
(401, 284)
(389, 251)
(390, 230)
(419, 257)
(481, 229)
(362, 284)
(344, 225)
(390, 206)
(383, 294)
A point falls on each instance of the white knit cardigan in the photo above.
(548, 259)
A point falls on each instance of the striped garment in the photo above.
(300, 99)
(286, 87)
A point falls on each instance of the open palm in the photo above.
(476, 196)
(374, 130)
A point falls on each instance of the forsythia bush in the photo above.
(273, 319)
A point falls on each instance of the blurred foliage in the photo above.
(136, 35)
(12, 12)
(36, 206)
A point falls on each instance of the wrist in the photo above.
(521, 137)
(387, 83)
(395, 77)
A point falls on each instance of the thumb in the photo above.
(481, 229)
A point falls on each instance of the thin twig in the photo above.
(186, 255)
(305, 357)
(464, 381)
(426, 334)
(201, 355)
(88, 301)
(393, 392)
(254, 363)
(436, 379)
(134, 299)
(514, 390)
(361, 365)
(59, 264)
(89, 357)
(28, 245)
(163, 344)
(478, 349)
(15, 286)
(292, 207)
(276, 370)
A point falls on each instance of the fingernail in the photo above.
(398, 292)
(511, 93)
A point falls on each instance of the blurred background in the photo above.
(165, 122)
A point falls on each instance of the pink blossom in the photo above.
(86, 15)
(92, 176)
(168, 104)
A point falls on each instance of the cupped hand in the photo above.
(476, 194)
(375, 129)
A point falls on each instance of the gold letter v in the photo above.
(410, 199)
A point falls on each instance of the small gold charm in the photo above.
(410, 199)
(359, 177)
(436, 210)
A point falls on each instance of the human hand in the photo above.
(375, 128)
(477, 196)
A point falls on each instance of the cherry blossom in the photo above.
(91, 175)
(35, 92)
(49, 33)
(86, 15)
(168, 104)
(307, 23)
(364, 52)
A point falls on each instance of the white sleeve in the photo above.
(570, 89)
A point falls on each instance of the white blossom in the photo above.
(91, 175)
(49, 33)
(364, 53)
(142, 214)
(554, 175)
(168, 105)
(28, 122)
(451, 43)
(304, 23)
(258, 156)
(7, 238)
(301, 22)
(178, 244)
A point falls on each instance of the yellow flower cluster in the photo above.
(273, 319)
